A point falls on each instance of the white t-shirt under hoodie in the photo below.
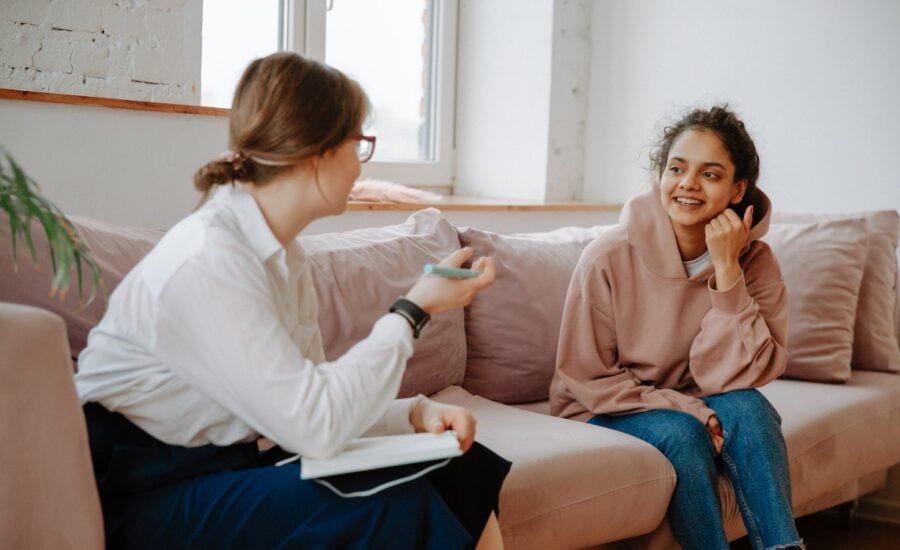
(213, 338)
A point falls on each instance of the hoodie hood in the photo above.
(650, 232)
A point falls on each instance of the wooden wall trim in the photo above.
(130, 104)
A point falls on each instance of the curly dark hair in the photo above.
(735, 138)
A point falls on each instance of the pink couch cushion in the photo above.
(116, 249)
(874, 334)
(572, 484)
(513, 326)
(358, 275)
(822, 264)
(837, 434)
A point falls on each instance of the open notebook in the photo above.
(371, 453)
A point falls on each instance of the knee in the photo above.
(743, 406)
(411, 515)
(686, 440)
(749, 420)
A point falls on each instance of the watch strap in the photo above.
(414, 315)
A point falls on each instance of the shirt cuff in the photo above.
(730, 301)
(394, 327)
(396, 418)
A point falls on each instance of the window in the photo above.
(401, 51)
(235, 32)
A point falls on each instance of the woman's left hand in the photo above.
(434, 417)
(726, 236)
(716, 434)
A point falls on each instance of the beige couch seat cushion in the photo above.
(572, 484)
(838, 435)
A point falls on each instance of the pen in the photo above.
(450, 272)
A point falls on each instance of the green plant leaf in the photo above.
(21, 199)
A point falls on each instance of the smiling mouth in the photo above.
(687, 201)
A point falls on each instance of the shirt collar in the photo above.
(251, 220)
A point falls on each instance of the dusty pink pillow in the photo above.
(874, 334)
(116, 249)
(512, 328)
(822, 264)
(358, 275)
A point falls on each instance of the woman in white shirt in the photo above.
(211, 343)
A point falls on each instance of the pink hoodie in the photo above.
(638, 334)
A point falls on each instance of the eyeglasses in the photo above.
(365, 148)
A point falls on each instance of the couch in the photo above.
(572, 484)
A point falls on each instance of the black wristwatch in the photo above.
(414, 315)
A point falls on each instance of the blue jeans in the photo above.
(754, 458)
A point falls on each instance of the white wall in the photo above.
(569, 94)
(818, 84)
(503, 97)
(136, 168)
(128, 50)
(127, 167)
(521, 98)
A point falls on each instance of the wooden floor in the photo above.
(824, 531)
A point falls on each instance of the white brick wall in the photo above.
(127, 49)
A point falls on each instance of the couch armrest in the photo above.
(47, 489)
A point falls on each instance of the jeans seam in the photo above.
(748, 515)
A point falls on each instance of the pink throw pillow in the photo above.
(875, 332)
(822, 264)
(116, 250)
(358, 275)
(513, 327)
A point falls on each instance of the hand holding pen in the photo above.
(447, 286)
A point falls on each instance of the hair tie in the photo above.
(236, 160)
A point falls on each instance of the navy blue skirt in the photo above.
(156, 495)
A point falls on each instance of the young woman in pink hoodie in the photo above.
(674, 317)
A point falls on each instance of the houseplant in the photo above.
(23, 203)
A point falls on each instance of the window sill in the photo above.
(482, 204)
(111, 103)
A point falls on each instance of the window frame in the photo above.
(302, 30)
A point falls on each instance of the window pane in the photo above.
(235, 32)
(384, 44)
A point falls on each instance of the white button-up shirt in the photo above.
(213, 338)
